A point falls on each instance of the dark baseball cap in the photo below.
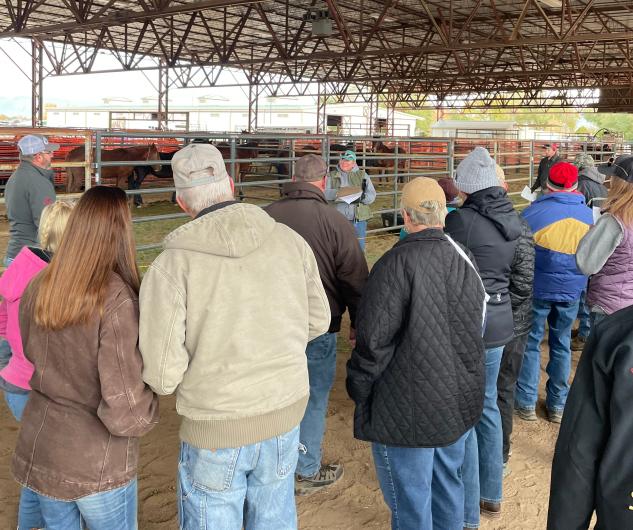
(622, 168)
(310, 168)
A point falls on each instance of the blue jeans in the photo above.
(560, 316)
(422, 486)
(361, 232)
(584, 323)
(321, 353)
(483, 462)
(29, 511)
(250, 486)
(5, 352)
(100, 511)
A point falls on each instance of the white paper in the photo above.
(528, 195)
(349, 199)
(597, 212)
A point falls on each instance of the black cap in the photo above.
(622, 167)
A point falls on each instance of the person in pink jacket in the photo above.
(15, 376)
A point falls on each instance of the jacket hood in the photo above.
(303, 190)
(17, 276)
(233, 231)
(591, 173)
(494, 204)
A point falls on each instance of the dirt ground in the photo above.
(354, 504)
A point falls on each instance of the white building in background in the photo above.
(275, 114)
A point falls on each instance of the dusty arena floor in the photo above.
(354, 504)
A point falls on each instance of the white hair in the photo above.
(436, 214)
(200, 197)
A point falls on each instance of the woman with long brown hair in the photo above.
(606, 252)
(78, 442)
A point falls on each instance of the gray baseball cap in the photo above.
(32, 144)
(198, 164)
(310, 168)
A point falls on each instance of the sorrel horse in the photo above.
(386, 163)
(75, 175)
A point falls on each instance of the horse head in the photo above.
(153, 154)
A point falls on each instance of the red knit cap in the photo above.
(563, 176)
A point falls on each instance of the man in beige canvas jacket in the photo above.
(226, 312)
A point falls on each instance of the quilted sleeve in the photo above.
(522, 269)
(381, 315)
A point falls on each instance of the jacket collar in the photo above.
(46, 173)
(303, 190)
(214, 208)
(565, 197)
(428, 234)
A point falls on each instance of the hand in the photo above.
(352, 338)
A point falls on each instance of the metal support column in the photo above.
(253, 107)
(322, 111)
(372, 126)
(163, 97)
(37, 84)
(391, 119)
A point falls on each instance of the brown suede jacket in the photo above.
(88, 405)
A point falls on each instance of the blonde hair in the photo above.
(620, 201)
(52, 224)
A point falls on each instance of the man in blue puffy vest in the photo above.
(559, 220)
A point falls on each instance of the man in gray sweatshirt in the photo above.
(28, 190)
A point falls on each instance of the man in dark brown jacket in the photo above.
(343, 272)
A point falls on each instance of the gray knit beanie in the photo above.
(476, 172)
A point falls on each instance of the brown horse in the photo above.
(385, 163)
(75, 175)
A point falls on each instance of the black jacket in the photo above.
(489, 227)
(521, 281)
(417, 372)
(331, 237)
(543, 172)
(592, 467)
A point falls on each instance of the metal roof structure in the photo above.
(468, 54)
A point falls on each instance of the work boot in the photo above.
(491, 509)
(324, 477)
(525, 414)
(554, 416)
(578, 343)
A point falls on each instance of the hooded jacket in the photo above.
(591, 185)
(28, 191)
(558, 221)
(226, 312)
(88, 404)
(592, 468)
(489, 227)
(341, 261)
(13, 282)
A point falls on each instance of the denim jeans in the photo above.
(29, 511)
(422, 486)
(101, 511)
(560, 316)
(5, 352)
(511, 362)
(250, 486)
(361, 232)
(594, 318)
(484, 479)
(584, 323)
(321, 353)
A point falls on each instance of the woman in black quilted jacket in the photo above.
(417, 371)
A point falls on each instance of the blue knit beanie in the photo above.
(476, 172)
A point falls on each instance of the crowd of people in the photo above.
(239, 316)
